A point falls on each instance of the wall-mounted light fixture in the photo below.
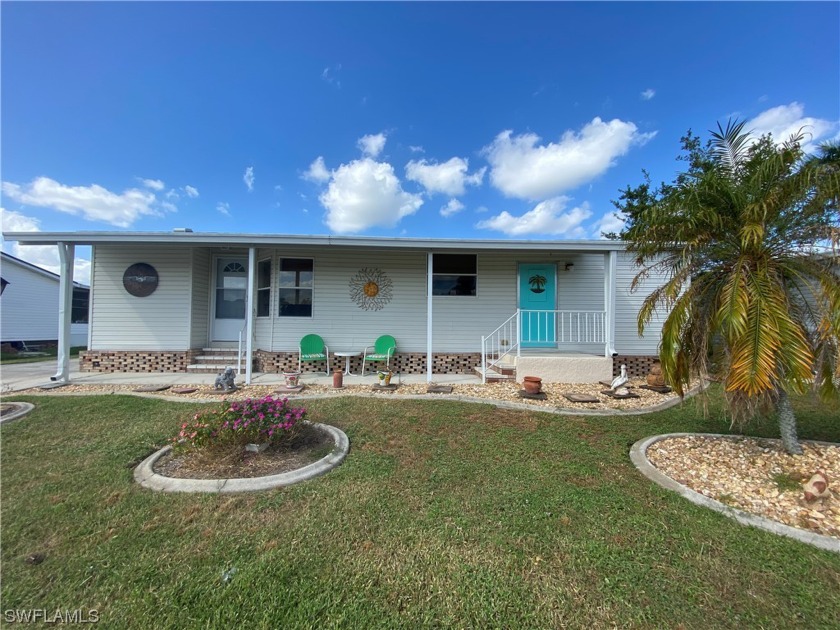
(570, 266)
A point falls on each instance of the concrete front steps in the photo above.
(213, 361)
(553, 368)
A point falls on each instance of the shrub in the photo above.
(254, 420)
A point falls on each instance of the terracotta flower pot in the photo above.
(532, 384)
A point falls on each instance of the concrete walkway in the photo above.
(15, 377)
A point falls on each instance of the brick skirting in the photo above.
(135, 361)
(404, 362)
(637, 366)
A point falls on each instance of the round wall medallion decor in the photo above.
(370, 289)
(140, 279)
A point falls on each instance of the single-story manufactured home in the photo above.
(182, 300)
(29, 305)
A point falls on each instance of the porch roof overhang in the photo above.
(197, 239)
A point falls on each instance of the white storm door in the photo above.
(229, 298)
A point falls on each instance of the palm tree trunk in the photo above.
(787, 424)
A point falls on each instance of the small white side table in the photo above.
(348, 356)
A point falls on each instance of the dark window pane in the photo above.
(454, 263)
(263, 303)
(264, 274)
(81, 299)
(295, 302)
(296, 264)
(453, 285)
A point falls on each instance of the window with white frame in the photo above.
(295, 285)
(264, 288)
(454, 274)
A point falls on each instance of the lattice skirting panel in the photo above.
(135, 361)
(637, 366)
(404, 362)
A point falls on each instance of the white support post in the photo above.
(249, 314)
(66, 253)
(610, 265)
(429, 312)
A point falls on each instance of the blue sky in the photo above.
(450, 120)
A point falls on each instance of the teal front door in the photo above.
(537, 302)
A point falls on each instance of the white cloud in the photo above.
(523, 168)
(168, 207)
(449, 178)
(192, 192)
(482, 209)
(371, 145)
(609, 222)
(317, 172)
(44, 256)
(364, 194)
(93, 202)
(223, 208)
(453, 207)
(416, 149)
(548, 217)
(154, 184)
(786, 120)
(648, 94)
(248, 178)
(330, 75)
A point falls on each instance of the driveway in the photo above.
(17, 376)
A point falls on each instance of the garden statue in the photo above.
(224, 381)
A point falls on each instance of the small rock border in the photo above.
(638, 455)
(145, 475)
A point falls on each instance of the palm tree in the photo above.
(748, 240)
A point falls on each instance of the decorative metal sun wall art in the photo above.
(370, 289)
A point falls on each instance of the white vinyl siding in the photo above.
(160, 321)
(627, 305)
(29, 306)
(457, 323)
(200, 302)
(343, 324)
(176, 315)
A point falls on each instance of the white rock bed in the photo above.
(740, 472)
(505, 391)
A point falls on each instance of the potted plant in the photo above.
(292, 379)
(384, 377)
(532, 384)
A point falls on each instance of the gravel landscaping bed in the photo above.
(506, 391)
(757, 476)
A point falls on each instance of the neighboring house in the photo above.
(168, 301)
(29, 305)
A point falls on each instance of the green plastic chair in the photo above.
(382, 350)
(313, 348)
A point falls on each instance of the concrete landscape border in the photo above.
(145, 475)
(638, 455)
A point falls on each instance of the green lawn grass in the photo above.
(50, 354)
(443, 515)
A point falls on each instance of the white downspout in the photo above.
(66, 253)
(610, 265)
(429, 311)
(249, 315)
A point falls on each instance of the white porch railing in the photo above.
(545, 328)
(563, 327)
(499, 344)
(241, 349)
